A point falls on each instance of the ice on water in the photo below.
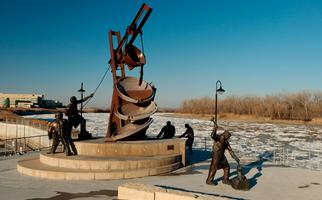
(247, 137)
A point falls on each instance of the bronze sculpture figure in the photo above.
(74, 118)
(219, 160)
(168, 131)
(58, 130)
(190, 135)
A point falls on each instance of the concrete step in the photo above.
(152, 147)
(33, 167)
(107, 163)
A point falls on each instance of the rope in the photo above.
(98, 85)
(141, 37)
(102, 79)
(141, 70)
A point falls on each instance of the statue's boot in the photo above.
(209, 182)
(50, 150)
(211, 175)
(226, 176)
(54, 146)
(72, 146)
(67, 150)
(66, 146)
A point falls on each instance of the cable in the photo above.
(102, 79)
(98, 85)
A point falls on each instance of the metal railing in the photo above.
(20, 135)
(280, 155)
(18, 138)
(22, 145)
(39, 124)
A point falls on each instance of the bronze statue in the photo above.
(219, 160)
(58, 131)
(190, 135)
(74, 118)
(168, 131)
(132, 95)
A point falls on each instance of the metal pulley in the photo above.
(133, 56)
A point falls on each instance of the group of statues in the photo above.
(60, 129)
(219, 160)
(169, 131)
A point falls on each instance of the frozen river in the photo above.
(289, 143)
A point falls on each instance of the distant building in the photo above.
(46, 103)
(27, 101)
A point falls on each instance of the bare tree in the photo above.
(301, 105)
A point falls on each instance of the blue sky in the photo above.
(253, 47)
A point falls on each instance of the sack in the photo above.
(240, 182)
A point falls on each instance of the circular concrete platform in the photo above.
(33, 167)
(99, 160)
(106, 163)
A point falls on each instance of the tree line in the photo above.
(303, 105)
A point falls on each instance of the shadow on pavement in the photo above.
(259, 166)
(199, 155)
(68, 196)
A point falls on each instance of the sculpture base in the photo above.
(99, 160)
(84, 136)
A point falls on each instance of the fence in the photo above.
(20, 135)
(280, 155)
(23, 145)
(14, 120)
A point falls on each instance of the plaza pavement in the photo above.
(267, 182)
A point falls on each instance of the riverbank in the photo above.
(245, 118)
(12, 112)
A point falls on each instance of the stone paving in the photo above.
(267, 182)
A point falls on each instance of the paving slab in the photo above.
(267, 182)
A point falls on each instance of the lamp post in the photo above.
(219, 90)
(81, 91)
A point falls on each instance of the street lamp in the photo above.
(219, 90)
(81, 91)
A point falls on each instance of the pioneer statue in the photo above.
(74, 118)
(219, 160)
(58, 131)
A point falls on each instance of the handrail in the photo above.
(26, 137)
(280, 155)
